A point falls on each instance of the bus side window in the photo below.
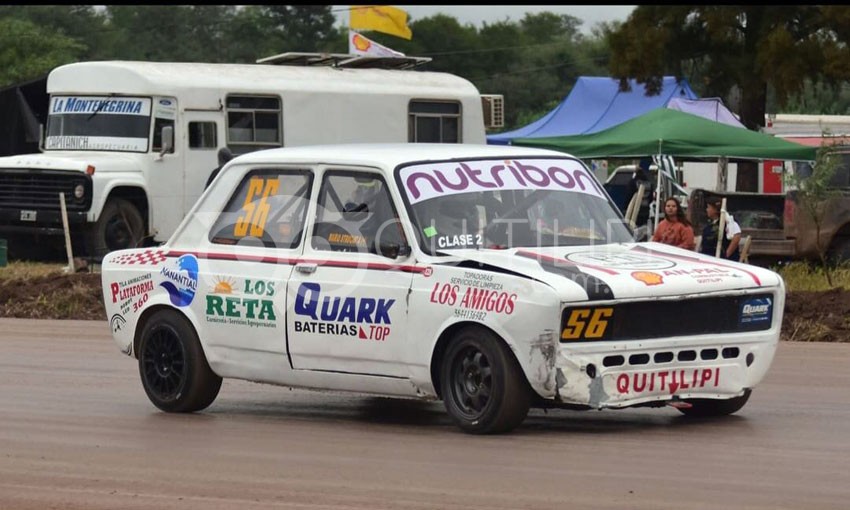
(202, 135)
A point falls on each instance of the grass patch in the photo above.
(22, 270)
(36, 290)
(804, 330)
(800, 276)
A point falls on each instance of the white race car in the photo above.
(494, 278)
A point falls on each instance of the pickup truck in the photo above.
(779, 227)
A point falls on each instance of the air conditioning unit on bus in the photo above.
(494, 110)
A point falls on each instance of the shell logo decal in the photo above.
(361, 43)
(648, 277)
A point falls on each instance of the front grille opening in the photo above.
(638, 359)
(731, 352)
(687, 355)
(640, 320)
(613, 361)
(663, 357)
(708, 354)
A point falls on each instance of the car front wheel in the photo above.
(707, 407)
(174, 371)
(483, 387)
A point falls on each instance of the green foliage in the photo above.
(176, 33)
(28, 51)
(813, 193)
(301, 27)
(803, 276)
(819, 98)
(730, 47)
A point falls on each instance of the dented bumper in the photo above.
(629, 374)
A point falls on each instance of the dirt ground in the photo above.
(809, 316)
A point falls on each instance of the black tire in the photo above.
(119, 227)
(707, 407)
(839, 252)
(174, 371)
(483, 387)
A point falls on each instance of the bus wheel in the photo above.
(119, 227)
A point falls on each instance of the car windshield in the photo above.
(508, 204)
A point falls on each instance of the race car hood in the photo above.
(76, 160)
(622, 271)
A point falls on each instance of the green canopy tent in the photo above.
(674, 133)
(666, 132)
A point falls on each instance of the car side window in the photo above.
(268, 208)
(355, 213)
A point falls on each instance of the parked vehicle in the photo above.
(622, 183)
(132, 144)
(779, 228)
(495, 278)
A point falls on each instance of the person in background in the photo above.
(674, 229)
(224, 155)
(732, 238)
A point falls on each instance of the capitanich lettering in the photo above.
(429, 180)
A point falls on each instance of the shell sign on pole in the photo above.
(359, 44)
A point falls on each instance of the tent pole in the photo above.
(722, 173)
(658, 205)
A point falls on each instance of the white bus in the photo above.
(132, 144)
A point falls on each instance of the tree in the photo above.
(727, 48)
(28, 51)
(307, 28)
(82, 23)
(813, 192)
(157, 33)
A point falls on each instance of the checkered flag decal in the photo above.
(147, 257)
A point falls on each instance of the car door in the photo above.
(254, 243)
(347, 301)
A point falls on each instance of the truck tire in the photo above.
(172, 365)
(483, 387)
(839, 252)
(119, 227)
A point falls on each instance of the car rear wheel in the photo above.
(174, 370)
(484, 389)
(705, 407)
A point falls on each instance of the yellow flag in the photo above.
(380, 18)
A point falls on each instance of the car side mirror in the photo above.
(167, 140)
(394, 250)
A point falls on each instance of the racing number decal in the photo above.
(587, 323)
(256, 212)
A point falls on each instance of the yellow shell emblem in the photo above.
(648, 277)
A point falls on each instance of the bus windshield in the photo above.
(91, 123)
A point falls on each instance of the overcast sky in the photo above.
(478, 14)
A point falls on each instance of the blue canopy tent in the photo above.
(596, 103)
